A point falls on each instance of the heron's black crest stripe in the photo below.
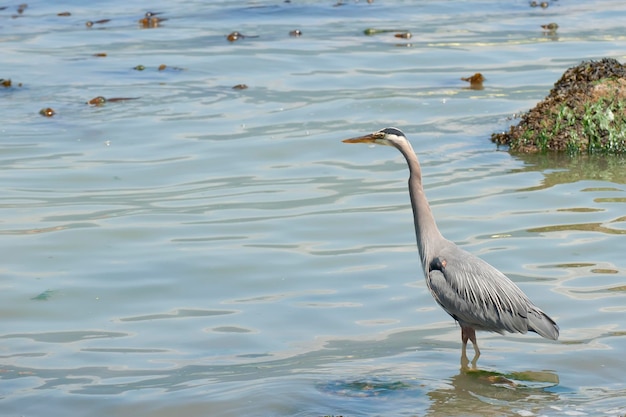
(392, 131)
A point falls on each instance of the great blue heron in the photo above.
(474, 293)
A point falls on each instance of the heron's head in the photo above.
(389, 136)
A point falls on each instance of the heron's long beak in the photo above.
(369, 138)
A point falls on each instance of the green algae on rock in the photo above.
(584, 112)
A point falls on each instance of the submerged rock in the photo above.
(584, 112)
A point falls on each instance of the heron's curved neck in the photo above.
(426, 232)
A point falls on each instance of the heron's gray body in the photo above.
(474, 293)
(479, 296)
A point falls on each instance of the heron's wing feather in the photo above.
(478, 295)
(539, 322)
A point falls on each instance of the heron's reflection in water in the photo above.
(469, 393)
(465, 362)
(486, 393)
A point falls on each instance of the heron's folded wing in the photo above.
(477, 294)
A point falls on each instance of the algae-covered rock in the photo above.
(584, 112)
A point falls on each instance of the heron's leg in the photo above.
(468, 333)
(464, 360)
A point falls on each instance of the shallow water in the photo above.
(208, 251)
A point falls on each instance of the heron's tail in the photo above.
(539, 322)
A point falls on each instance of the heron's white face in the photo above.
(387, 136)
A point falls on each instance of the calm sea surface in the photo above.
(209, 251)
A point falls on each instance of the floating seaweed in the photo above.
(151, 21)
(373, 31)
(403, 35)
(476, 81)
(161, 67)
(550, 26)
(45, 296)
(47, 112)
(100, 100)
(89, 23)
(235, 36)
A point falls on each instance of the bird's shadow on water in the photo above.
(482, 392)
(423, 385)
(470, 392)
